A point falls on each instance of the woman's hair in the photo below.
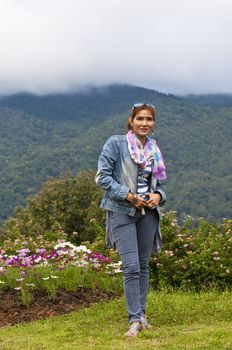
(137, 109)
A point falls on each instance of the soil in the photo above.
(12, 311)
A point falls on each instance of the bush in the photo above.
(196, 255)
(66, 204)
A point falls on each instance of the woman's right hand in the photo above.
(136, 200)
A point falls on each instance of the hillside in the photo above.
(42, 136)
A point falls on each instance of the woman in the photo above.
(130, 170)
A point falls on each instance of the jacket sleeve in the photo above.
(161, 192)
(104, 177)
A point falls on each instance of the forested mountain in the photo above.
(42, 136)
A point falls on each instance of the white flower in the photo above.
(2, 282)
(63, 252)
(81, 263)
(64, 245)
(227, 271)
(168, 252)
(96, 264)
(215, 253)
(45, 278)
(115, 265)
(52, 276)
(117, 271)
(82, 248)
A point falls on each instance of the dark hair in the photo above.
(135, 111)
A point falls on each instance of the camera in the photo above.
(145, 197)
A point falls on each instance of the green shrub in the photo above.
(196, 255)
(66, 204)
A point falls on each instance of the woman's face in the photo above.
(142, 124)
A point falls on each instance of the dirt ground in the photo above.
(12, 311)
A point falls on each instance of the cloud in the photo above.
(178, 46)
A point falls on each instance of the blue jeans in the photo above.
(133, 237)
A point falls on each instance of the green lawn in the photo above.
(181, 321)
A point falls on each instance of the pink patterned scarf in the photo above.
(148, 154)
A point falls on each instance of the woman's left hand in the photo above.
(153, 201)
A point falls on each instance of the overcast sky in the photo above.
(173, 46)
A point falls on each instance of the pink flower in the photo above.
(174, 223)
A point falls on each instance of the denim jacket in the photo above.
(117, 174)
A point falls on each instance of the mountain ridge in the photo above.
(45, 136)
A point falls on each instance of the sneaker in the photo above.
(134, 329)
(144, 323)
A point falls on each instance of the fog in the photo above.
(173, 46)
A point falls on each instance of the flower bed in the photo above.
(32, 264)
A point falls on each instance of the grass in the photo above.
(182, 321)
